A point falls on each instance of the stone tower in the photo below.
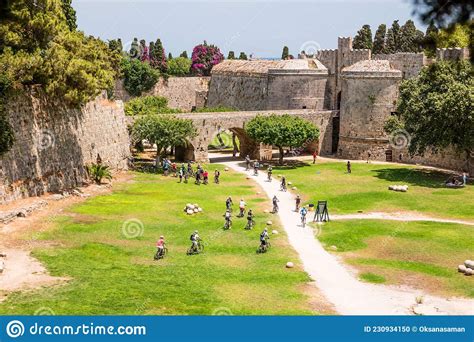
(369, 94)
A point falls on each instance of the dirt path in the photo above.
(338, 284)
(397, 216)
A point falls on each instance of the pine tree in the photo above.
(429, 42)
(410, 37)
(231, 55)
(363, 38)
(379, 39)
(184, 54)
(134, 49)
(243, 56)
(392, 44)
(285, 53)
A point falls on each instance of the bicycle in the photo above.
(263, 248)
(196, 250)
(303, 220)
(228, 224)
(242, 212)
(275, 209)
(269, 176)
(283, 187)
(250, 224)
(160, 254)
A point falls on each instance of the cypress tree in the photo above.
(285, 53)
(379, 39)
(243, 56)
(410, 37)
(170, 56)
(429, 42)
(134, 52)
(392, 44)
(184, 54)
(363, 38)
(158, 57)
(231, 55)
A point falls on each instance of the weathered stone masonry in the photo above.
(54, 142)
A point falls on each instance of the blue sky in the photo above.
(258, 27)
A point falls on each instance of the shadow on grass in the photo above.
(419, 177)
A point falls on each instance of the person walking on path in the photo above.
(315, 155)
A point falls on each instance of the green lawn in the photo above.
(366, 189)
(421, 254)
(112, 274)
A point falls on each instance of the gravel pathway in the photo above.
(339, 284)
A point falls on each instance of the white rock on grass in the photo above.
(462, 268)
(333, 248)
(469, 264)
(226, 169)
(294, 188)
(190, 212)
(391, 187)
(200, 210)
(269, 223)
(275, 232)
(266, 211)
(196, 210)
(289, 183)
(469, 271)
(289, 264)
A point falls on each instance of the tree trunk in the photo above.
(157, 158)
(280, 155)
(470, 171)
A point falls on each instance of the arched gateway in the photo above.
(209, 124)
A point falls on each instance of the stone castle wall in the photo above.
(410, 64)
(54, 142)
(182, 92)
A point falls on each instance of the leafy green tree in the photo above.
(285, 54)
(436, 108)
(411, 39)
(70, 14)
(179, 66)
(184, 54)
(134, 49)
(147, 105)
(282, 131)
(231, 55)
(164, 131)
(392, 45)
(457, 36)
(138, 76)
(243, 56)
(431, 37)
(158, 57)
(363, 38)
(379, 39)
(116, 45)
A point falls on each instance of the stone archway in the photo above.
(185, 152)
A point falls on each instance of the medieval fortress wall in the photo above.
(54, 143)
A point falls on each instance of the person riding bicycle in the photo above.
(303, 213)
(247, 162)
(160, 245)
(216, 176)
(228, 219)
(264, 236)
(256, 165)
(250, 222)
(275, 201)
(283, 183)
(298, 202)
(228, 203)
(195, 241)
(269, 172)
(242, 205)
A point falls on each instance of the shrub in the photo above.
(205, 57)
(97, 172)
(179, 66)
(138, 76)
(215, 109)
(149, 105)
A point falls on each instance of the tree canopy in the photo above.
(282, 131)
(204, 57)
(179, 66)
(163, 130)
(285, 54)
(363, 38)
(138, 77)
(436, 108)
(379, 39)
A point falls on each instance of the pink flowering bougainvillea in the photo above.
(204, 57)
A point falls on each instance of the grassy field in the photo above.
(366, 189)
(420, 254)
(423, 255)
(111, 273)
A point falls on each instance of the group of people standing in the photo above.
(184, 173)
